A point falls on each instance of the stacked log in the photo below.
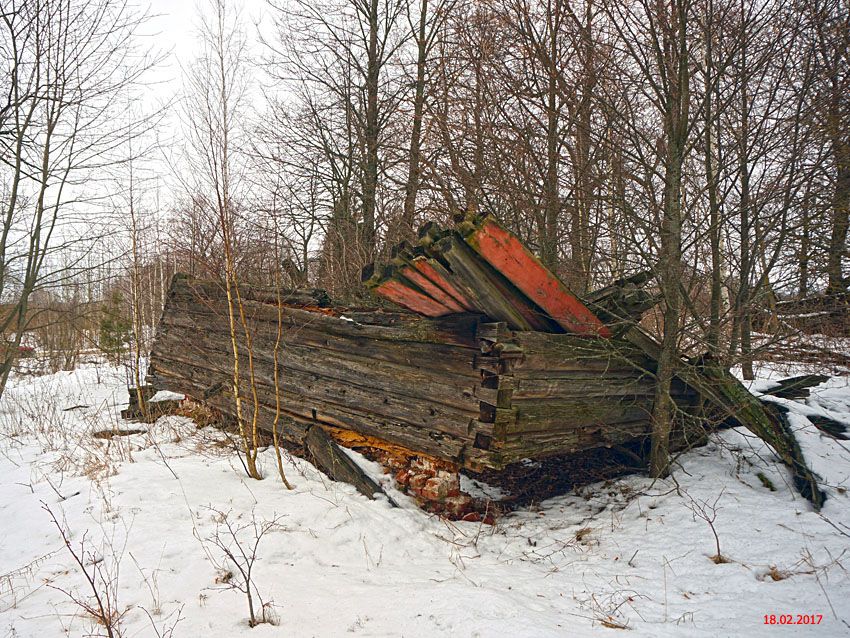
(398, 377)
(553, 394)
(474, 393)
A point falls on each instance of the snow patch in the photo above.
(629, 552)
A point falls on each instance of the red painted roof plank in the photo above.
(430, 288)
(423, 266)
(398, 293)
(502, 250)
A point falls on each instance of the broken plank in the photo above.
(330, 458)
(400, 293)
(796, 387)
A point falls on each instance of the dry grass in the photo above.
(583, 533)
(201, 414)
(611, 623)
(109, 434)
(777, 574)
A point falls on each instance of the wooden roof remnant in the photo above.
(505, 253)
(488, 270)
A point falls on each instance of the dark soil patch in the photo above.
(531, 482)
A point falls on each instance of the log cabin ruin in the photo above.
(474, 358)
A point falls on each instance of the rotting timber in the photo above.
(494, 361)
(459, 388)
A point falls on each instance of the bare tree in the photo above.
(658, 39)
(340, 56)
(67, 60)
(828, 27)
(236, 546)
(216, 93)
(425, 32)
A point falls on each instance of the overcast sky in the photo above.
(174, 28)
(173, 31)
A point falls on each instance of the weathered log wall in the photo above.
(551, 394)
(476, 394)
(398, 377)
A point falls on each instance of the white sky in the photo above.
(175, 25)
(173, 32)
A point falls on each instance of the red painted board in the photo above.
(431, 273)
(502, 250)
(411, 299)
(429, 287)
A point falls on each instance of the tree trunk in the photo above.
(408, 229)
(804, 254)
(670, 271)
(552, 197)
(716, 302)
(840, 207)
(676, 101)
(584, 183)
(743, 301)
(370, 168)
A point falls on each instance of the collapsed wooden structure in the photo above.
(493, 362)
(460, 388)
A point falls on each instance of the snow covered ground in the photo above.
(154, 511)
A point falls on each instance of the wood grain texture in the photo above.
(471, 392)
(334, 462)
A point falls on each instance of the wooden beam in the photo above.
(428, 287)
(406, 297)
(330, 458)
(436, 273)
(504, 252)
(497, 298)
